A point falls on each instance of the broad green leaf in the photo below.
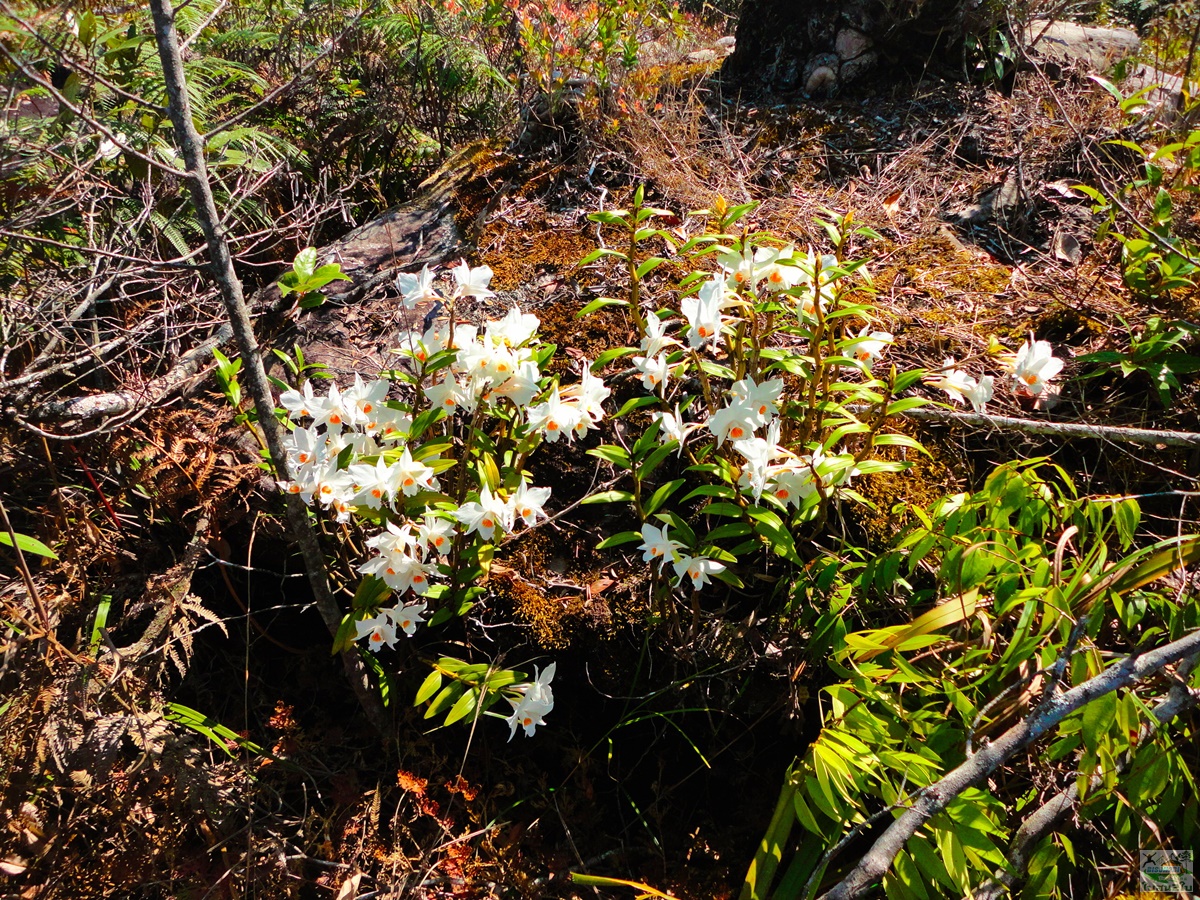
(27, 544)
(464, 707)
(624, 537)
(952, 612)
(1098, 717)
(608, 497)
(429, 687)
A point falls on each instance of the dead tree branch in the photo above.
(1060, 429)
(221, 267)
(935, 798)
(1053, 812)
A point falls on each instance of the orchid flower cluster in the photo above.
(373, 452)
(753, 374)
(1031, 370)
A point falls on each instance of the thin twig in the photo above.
(26, 575)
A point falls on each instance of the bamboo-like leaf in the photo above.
(953, 611)
(602, 881)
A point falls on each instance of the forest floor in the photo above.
(983, 239)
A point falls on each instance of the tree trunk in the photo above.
(816, 46)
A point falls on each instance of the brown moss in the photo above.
(928, 478)
(551, 619)
(518, 256)
(936, 267)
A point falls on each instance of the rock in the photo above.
(1166, 90)
(851, 44)
(1096, 47)
(1100, 49)
(821, 75)
(426, 229)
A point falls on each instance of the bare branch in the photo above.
(301, 528)
(1052, 813)
(935, 798)
(1060, 429)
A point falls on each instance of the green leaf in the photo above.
(27, 544)
(652, 462)
(661, 495)
(464, 707)
(728, 530)
(634, 403)
(429, 687)
(649, 266)
(444, 700)
(720, 508)
(102, 610)
(613, 454)
(1098, 717)
(371, 592)
(711, 490)
(345, 637)
(219, 734)
(616, 540)
(599, 303)
(607, 497)
(305, 262)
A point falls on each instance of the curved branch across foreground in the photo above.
(1052, 813)
(977, 768)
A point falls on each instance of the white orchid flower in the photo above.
(407, 616)
(528, 502)
(378, 631)
(413, 476)
(535, 701)
(485, 515)
(697, 568)
(374, 484)
(514, 330)
(472, 282)
(658, 545)
(1034, 367)
(868, 346)
(703, 313)
(416, 288)
(734, 422)
(761, 399)
(656, 339)
(655, 371)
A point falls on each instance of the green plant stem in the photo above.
(635, 284)
(705, 385)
